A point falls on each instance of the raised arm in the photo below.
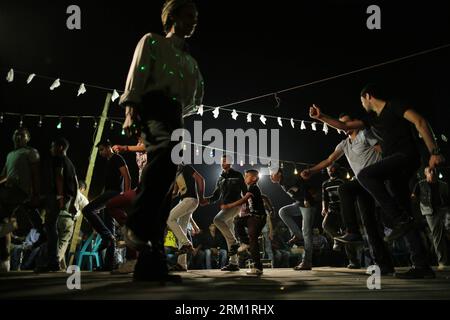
(316, 113)
(307, 173)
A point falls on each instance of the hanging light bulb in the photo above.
(21, 122)
(252, 163)
(280, 123)
(1, 118)
(77, 125)
(441, 176)
(295, 171)
(211, 153)
(313, 126)
(40, 122)
(95, 124)
(348, 176)
(302, 126)
(281, 165)
(242, 163)
(59, 125)
(184, 147)
(123, 132)
(112, 126)
(325, 128)
(197, 151)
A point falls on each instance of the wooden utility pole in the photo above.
(90, 171)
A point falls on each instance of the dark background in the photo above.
(244, 49)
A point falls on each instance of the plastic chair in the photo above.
(93, 253)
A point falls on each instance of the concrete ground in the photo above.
(275, 284)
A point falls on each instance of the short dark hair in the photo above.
(252, 171)
(104, 142)
(62, 142)
(375, 91)
(24, 131)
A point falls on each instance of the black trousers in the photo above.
(254, 226)
(388, 183)
(151, 208)
(332, 224)
(352, 193)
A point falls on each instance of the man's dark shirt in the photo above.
(229, 187)
(395, 131)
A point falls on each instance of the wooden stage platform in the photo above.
(275, 284)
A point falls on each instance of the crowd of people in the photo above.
(367, 216)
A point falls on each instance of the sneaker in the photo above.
(254, 272)
(353, 266)
(416, 273)
(185, 249)
(303, 267)
(233, 250)
(337, 246)
(230, 267)
(5, 266)
(178, 268)
(244, 247)
(125, 268)
(400, 230)
(350, 238)
(132, 240)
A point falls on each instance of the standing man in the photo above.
(66, 222)
(190, 186)
(163, 82)
(230, 187)
(331, 211)
(117, 180)
(304, 206)
(19, 181)
(434, 204)
(254, 219)
(361, 149)
(61, 194)
(401, 160)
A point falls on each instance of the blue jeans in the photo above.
(222, 258)
(287, 214)
(92, 210)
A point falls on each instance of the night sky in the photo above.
(242, 50)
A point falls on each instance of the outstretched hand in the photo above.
(314, 112)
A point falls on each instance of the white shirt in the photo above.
(360, 152)
(80, 202)
(161, 64)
